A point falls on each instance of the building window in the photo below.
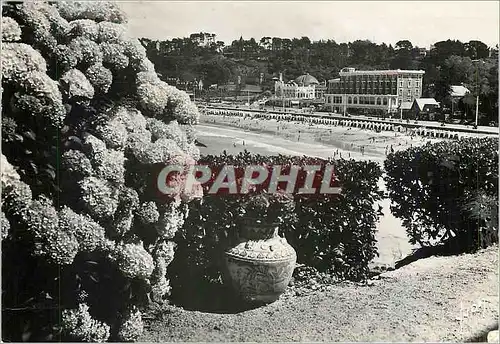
(400, 91)
(401, 83)
(409, 83)
(379, 101)
(416, 83)
(355, 100)
(384, 101)
(372, 100)
(409, 93)
(349, 100)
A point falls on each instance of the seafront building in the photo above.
(385, 90)
(303, 87)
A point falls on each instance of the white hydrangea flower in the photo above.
(181, 107)
(153, 97)
(171, 220)
(135, 51)
(94, 147)
(88, 50)
(80, 325)
(161, 151)
(129, 201)
(100, 77)
(89, 234)
(165, 249)
(76, 163)
(147, 213)
(10, 176)
(132, 327)
(170, 130)
(67, 58)
(41, 97)
(112, 33)
(193, 151)
(113, 133)
(75, 84)
(11, 32)
(110, 165)
(133, 260)
(160, 289)
(147, 78)
(34, 17)
(113, 55)
(58, 25)
(95, 10)
(190, 132)
(99, 197)
(19, 59)
(144, 65)
(57, 245)
(133, 119)
(84, 27)
(4, 222)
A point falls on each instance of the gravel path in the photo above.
(433, 299)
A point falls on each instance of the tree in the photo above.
(476, 50)
(404, 45)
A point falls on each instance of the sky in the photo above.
(421, 22)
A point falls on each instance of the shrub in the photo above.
(85, 236)
(438, 188)
(333, 233)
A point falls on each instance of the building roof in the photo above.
(458, 91)
(406, 105)
(421, 102)
(352, 71)
(306, 80)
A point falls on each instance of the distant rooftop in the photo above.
(353, 71)
(421, 102)
(459, 91)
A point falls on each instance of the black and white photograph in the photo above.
(250, 171)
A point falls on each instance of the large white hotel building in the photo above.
(384, 90)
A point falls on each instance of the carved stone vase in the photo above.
(260, 266)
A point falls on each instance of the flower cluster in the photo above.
(132, 327)
(59, 245)
(11, 32)
(96, 11)
(100, 77)
(57, 59)
(76, 85)
(80, 326)
(19, 59)
(133, 260)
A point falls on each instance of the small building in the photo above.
(458, 91)
(302, 87)
(405, 108)
(424, 108)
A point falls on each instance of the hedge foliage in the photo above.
(334, 233)
(447, 190)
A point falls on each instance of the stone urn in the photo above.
(260, 266)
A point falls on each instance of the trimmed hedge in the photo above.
(447, 190)
(334, 233)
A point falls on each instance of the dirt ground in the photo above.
(432, 300)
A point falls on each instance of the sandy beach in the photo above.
(256, 137)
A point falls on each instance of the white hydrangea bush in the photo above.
(61, 64)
